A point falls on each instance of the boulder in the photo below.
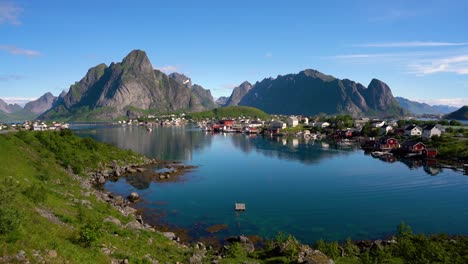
(169, 235)
(102, 180)
(244, 241)
(141, 169)
(310, 256)
(118, 200)
(133, 197)
(111, 219)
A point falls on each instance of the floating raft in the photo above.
(240, 206)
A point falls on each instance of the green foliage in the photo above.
(89, 233)
(229, 112)
(331, 249)
(235, 250)
(78, 153)
(36, 193)
(10, 217)
(404, 231)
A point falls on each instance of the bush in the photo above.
(235, 250)
(89, 233)
(36, 193)
(10, 220)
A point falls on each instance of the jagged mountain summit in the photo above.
(127, 88)
(9, 108)
(460, 114)
(221, 101)
(311, 92)
(238, 93)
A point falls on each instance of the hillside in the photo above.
(460, 114)
(229, 112)
(127, 88)
(418, 108)
(311, 92)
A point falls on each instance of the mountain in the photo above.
(221, 100)
(311, 92)
(203, 96)
(182, 79)
(460, 114)
(127, 88)
(238, 93)
(422, 108)
(9, 108)
(42, 104)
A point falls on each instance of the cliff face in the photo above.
(238, 93)
(110, 91)
(311, 92)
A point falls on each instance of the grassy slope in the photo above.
(31, 173)
(229, 112)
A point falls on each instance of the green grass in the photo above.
(229, 112)
(29, 163)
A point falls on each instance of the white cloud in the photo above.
(268, 55)
(456, 64)
(412, 44)
(8, 77)
(456, 102)
(9, 13)
(18, 100)
(168, 68)
(18, 51)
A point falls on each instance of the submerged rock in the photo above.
(133, 197)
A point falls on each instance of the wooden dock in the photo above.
(240, 206)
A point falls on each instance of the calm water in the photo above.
(309, 189)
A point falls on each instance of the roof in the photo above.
(411, 127)
(430, 127)
(411, 143)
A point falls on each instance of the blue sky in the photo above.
(419, 48)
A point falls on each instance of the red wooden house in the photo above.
(387, 144)
(413, 146)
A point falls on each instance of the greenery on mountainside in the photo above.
(43, 208)
(229, 112)
(21, 115)
(460, 114)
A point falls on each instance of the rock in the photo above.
(244, 241)
(106, 251)
(52, 253)
(141, 169)
(111, 219)
(102, 180)
(118, 200)
(130, 170)
(310, 256)
(125, 261)
(162, 176)
(134, 225)
(117, 173)
(133, 197)
(169, 235)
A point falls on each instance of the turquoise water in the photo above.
(309, 189)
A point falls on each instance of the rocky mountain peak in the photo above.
(182, 79)
(137, 60)
(238, 93)
(42, 104)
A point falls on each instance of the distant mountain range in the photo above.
(129, 88)
(132, 87)
(418, 108)
(460, 114)
(311, 92)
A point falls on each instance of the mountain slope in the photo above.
(8, 108)
(311, 92)
(41, 105)
(460, 114)
(238, 93)
(422, 108)
(222, 100)
(108, 92)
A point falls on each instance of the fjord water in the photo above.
(308, 189)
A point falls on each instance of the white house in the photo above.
(385, 129)
(431, 130)
(275, 124)
(378, 123)
(40, 127)
(360, 122)
(322, 124)
(413, 130)
(305, 120)
(292, 121)
(256, 124)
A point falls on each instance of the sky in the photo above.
(419, 48)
